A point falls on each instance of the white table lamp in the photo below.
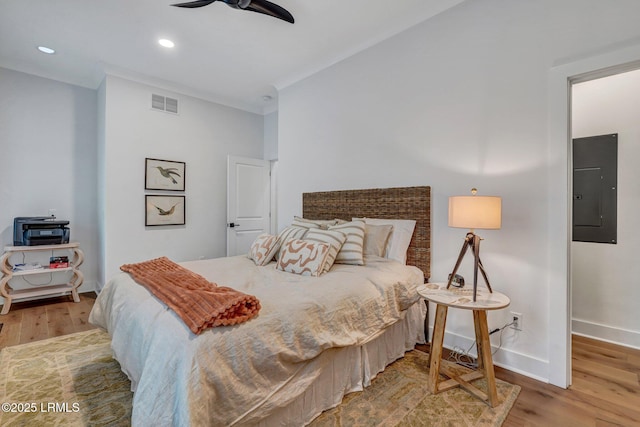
(474, 212)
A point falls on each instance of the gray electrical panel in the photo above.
(595, 180)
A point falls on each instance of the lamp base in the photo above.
(471, 240)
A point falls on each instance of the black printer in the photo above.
(39, 230)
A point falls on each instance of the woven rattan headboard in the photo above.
(390, 203)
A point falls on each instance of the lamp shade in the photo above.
(484, 212)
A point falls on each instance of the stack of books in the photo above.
(59, 262)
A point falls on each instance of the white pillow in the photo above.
(352, 249)
(400, 236)
(263, 249)
(331, 237)
(302, 257)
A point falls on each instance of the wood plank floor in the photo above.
(605, 390)
(37, 320)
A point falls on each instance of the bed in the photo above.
(314, 340)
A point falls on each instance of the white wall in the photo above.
(271, 154)
(605, 277)
(202, 135)
(456, 102)
(48, 161)
(101, 180)
(271, 136)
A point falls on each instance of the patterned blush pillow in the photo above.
(335, 239)
(263, 249)
(352, 249)
(289, 233)
(303, 257)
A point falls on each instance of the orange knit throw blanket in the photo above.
(199, 303)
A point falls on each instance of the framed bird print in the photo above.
(164, 175)
(164, 210)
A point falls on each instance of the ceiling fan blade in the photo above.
(193, 4)
(271, 9)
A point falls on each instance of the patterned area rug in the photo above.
(73, 381)
(399, 397)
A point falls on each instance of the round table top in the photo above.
(463, 297)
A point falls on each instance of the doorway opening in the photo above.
(561, 79)
(563, 299)
(603, 267)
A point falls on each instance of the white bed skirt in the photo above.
(348, 369)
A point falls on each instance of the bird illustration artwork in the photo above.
(168, 172)
(162, 212)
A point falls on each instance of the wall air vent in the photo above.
(157, 102)
(162, 103)
(171, 105)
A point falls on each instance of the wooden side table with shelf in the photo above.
(461, 299)
(9, 294)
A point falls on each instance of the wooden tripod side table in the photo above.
(463, 299)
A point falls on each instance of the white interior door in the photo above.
(248, 202)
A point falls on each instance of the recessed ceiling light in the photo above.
(47, 50)
(267, 98)
(166, 43)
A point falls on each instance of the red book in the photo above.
(58, 262)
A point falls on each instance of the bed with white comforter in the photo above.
(252, 372)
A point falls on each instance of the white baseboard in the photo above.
(611, 334)
(519, 363)
(99, 287)
(88, 286)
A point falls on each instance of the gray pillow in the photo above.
(376, 238)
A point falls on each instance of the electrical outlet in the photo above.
(516, 318)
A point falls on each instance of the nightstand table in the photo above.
(463, 299)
